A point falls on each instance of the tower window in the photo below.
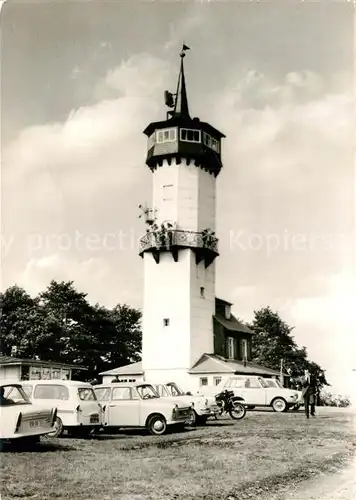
(211, 142)
(202, 292)
(166, 322)
(166, 135)
(190, 135)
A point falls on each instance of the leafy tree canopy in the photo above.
(273, 341)
(61, 325)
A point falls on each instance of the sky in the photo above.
(81, 80)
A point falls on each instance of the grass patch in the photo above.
(262, 455)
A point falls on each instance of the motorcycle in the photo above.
(230, 404)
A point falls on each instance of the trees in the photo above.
(273, 342)
(61, 325)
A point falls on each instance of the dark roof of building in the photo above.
(11, 360)
(232, 324)
(212, 363)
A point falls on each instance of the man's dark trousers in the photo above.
(309, 399)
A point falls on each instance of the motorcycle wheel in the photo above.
(238, 411)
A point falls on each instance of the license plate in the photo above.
(94, 419)
(34, 423)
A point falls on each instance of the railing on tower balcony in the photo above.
(178, 238)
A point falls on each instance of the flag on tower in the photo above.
(184, 48)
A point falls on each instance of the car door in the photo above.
(124, 407)
(253, 392)
(103, 395)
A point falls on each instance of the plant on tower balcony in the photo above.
(208, 236)
(162, 234)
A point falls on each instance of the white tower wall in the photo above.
(182, 292)
(184, 194)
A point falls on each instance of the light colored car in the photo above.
(78, 411)
(273, 382)
(203, 407)
(255, 391)
(20, 420)
(139, 405)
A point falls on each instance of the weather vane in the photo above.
(184, 48)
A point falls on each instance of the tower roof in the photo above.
(181, 108)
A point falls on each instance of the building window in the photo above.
(166, 135)
(211, 142)
(227, 311)
(231, 347)
(56, 373)
(217, 380)
(202, 292)
(244, 348)
(203, 381)
(35, 373)
(166, 322)
(190, 135)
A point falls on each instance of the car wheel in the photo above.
(57, 430)
(279, 405)
(238, 411)
(157, 425)
(193, 418)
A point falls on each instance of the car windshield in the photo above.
(86, 394)
(273, 383)
(174, 390)
(263, 382)
(13, 395)
(147, 392)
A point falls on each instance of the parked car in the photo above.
(139, 405)
(78, 411)
(255, 391)
(202, 407)
(273, 382)
(21, 421)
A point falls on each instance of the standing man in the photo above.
(308, 393)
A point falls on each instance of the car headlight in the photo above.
(192, 405)
(294, 396)
(206, 402)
